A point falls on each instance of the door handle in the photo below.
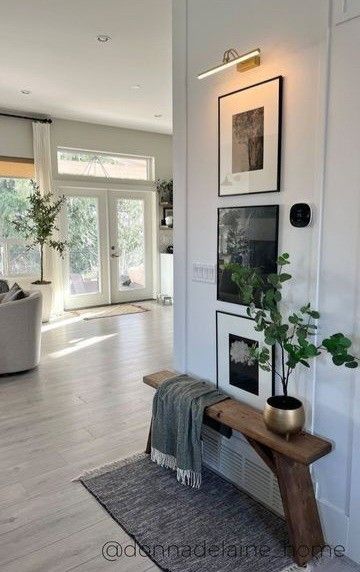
(115, 255)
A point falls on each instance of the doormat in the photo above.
(213, 529)
(109, 311)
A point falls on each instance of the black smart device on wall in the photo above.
(300, 215)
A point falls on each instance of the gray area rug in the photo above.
(214, 529)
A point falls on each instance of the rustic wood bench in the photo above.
(289, 461)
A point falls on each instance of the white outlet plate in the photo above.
(204, 272)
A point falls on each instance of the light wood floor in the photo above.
(85, 406)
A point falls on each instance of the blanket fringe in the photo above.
(162, 459)
(184, 476)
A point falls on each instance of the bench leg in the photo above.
(148, 444)
(301, 512)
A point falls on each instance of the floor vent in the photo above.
(235, 460)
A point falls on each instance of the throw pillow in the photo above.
(4, 286)
(15, 293)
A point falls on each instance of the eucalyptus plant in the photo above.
(38, 224)
(291, 334)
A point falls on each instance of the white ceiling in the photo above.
(50, 48)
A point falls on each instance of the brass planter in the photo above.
(284, 415)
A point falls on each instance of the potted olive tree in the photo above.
(38, 226)
(292, 336)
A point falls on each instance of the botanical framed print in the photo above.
(238, 374)
(247, 236)
(249, 131)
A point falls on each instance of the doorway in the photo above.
(110, 254)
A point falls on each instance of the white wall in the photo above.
(337, 392)
(16, 138)
(16, 141)
(298, 54)
(293, 37)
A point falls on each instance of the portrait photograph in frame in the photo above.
(247, 236)
(238, 374)
(249, 144)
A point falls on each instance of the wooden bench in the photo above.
(289, 461)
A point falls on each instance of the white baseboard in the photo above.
(335, 524)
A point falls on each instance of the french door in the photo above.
(110, 254)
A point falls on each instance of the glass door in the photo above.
(131, 262)
(86, 274)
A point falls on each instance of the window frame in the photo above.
(150, 168)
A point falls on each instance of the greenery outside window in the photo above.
(15, 258)
(80, 162)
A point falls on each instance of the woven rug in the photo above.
(109, 311)
(214, 529)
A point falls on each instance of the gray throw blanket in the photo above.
(178, 410)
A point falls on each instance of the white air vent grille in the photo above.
(232, 464)
(258, 481)
(211, 448)
(236, 460)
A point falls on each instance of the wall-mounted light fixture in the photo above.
(232, 57)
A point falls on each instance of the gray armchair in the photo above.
(20, 333)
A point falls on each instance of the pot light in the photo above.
(158, 115)
(136, 86)
(103, 38)
(25, 91)
(232, 57)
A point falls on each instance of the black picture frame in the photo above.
(166, 213)
(259, 254)
(266, 380)
(277, 181)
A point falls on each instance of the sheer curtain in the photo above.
(43, 176)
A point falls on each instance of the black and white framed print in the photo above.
(247, 236)
(249, 131)
(238, 374)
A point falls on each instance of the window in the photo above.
(16, 259)
(106, 165)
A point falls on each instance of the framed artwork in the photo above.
(249, 131)
(168, 212)
(238, 374)
(247, 236)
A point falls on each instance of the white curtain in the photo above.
(43, 176)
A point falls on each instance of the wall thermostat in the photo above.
(300, 215)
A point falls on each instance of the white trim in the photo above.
(180, 150)
(150, 164)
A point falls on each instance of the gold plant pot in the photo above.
(284, 415)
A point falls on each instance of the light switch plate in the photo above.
(204, 273)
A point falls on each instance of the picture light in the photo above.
(232, 57)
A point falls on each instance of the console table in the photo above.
(289, 461)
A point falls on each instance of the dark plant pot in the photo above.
(284, 415)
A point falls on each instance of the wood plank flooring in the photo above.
(84, 406)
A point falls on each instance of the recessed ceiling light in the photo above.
(136, 86)
(103, 38)
(25, 91)
(158, 115)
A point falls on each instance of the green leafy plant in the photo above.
(293, 334)
(165, 189)
(38, 224)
